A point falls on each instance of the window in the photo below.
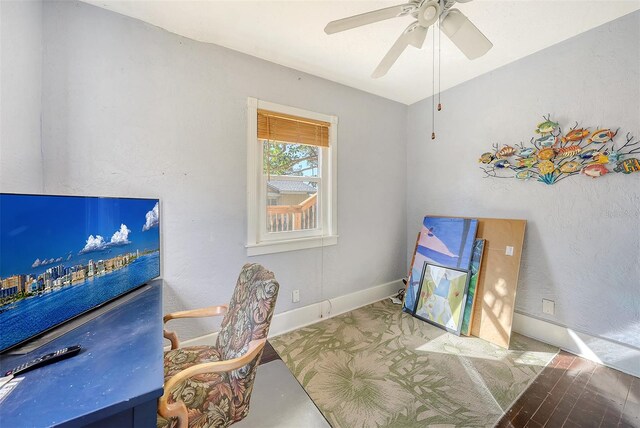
(291, 178)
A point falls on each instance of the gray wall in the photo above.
(128, 109)
(20, 89)
(582, 247)
(132, 110)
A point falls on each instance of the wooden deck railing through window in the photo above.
(303, 216)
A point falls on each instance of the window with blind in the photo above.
(291, 178)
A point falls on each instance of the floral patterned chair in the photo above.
(210, 386)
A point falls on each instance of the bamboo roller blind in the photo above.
(292, 129)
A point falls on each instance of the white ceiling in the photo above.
(291, 33)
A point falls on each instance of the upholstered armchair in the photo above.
(210, 386)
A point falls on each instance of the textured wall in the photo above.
(20, 85)
(128, 109)
(132, 110)
(582, 246)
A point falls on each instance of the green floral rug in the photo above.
(379, 367)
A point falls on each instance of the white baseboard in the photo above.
(613, 354)
(301, 317)
(610, 353)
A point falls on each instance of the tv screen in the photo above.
(61, 256)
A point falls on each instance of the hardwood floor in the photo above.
(269, 354)
(575, 392)
(570, 392)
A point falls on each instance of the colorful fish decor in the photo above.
(526, 162)
(546, 154)
(613, 156)
(547, 126)
(546, 167)
(547, 140)
(486, 157)
(594, 170)
(568, 152)
(575, 135)
(524, 175)
(602, 136)
(570, 167)
(588, 154)
(628, 166)
(526, 152)
(600, 158)
(506, 152)
(555, 155)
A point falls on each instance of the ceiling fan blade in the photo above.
(465, 35)
(369, 17)
(418, 35)
(413, 35)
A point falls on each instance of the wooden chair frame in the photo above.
(178, 409)
(210, 311)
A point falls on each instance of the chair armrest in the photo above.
(178, 409)
(210, 311)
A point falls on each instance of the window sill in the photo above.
(291, 245)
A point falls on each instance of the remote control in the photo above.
(43, 360)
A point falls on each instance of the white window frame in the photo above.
(259, 241)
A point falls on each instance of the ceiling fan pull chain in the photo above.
(439, 62)
(433, 88)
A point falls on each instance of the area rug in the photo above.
(379, 367)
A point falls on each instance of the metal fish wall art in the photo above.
(575, 135)
(570, 167)
(554, 155)
(628, 166)
(546, 154)
(602, 136)
(594, 170)
(568, 152)
(546, 127)
(506, 152)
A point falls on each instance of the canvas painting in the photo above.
(443, 241)
(442, 295)
(476, 260)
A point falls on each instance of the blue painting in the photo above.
(447, 242)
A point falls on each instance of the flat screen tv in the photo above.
(61, 256)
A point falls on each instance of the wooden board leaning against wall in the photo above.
(498, 279)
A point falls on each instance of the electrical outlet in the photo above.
(548, 306)
(509, 251)
(295, 296)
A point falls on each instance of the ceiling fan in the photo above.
(453, 23)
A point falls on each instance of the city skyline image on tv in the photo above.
(61, 256)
